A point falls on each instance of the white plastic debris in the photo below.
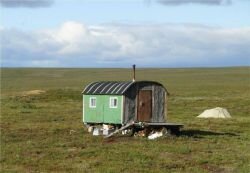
(155, 135)
(107, 129)
(72, 131)
(90, 129)
(96, 132)
(105, 132)
(105, 126)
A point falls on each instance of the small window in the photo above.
(92, 102)
(113, 102)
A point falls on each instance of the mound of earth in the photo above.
(33, 92)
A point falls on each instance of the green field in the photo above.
(42, 131)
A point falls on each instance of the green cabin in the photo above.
(118, 103)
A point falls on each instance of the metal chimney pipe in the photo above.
(133, 72)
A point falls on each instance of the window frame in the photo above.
(90, 102)
(111, 102)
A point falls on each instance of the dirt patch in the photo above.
(33, 92)
(213, 168)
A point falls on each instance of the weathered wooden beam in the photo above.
(120, 129)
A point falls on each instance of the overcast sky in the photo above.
(118, 33)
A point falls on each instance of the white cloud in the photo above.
(75, 44)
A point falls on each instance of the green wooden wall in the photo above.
(102, 113)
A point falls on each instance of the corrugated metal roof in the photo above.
(107, 87)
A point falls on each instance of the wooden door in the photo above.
(144, 108)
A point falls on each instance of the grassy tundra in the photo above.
(42, 131)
